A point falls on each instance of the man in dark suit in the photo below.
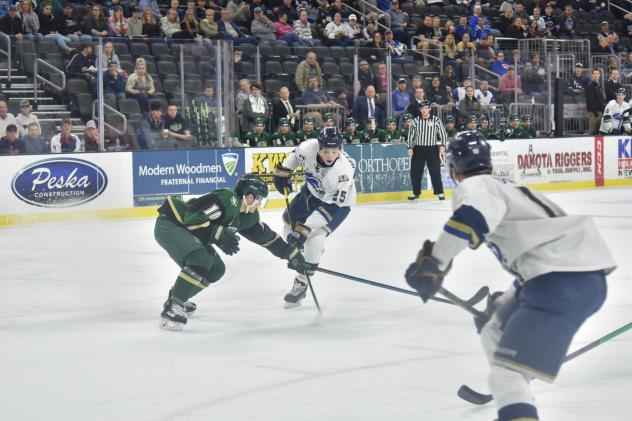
(284, 107)
(369, 106)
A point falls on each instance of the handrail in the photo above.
(37, 77)
(7, 54)
(489, 72)
(610, 4)
(114, 111)
(376, 10)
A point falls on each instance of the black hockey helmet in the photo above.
(328, 117)
(621, 91)
(349, 121)
(283, 121)
(408, 117)
(472, 119)
(308, 120)
(469, 152)
(259, 122)
(484, 118)
(250, 183)
(330, 137)
(391, 120)
(449, 119)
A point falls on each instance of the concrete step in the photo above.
(14, 91)
(51, 115)
(4, 76)
(25, 86)
(30, 98)
(50, 107)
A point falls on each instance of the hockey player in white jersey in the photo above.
(323, 202)
(615, 118)
(560, 263)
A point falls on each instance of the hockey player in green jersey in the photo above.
(284, 136)
(392, 134)
(372, 134)
(351, 133)
(189, 232)
(328, 120)
(528, 127)
(486, 129)
(258, 137)
(449, 126)
(471, 123)
(515, 129)
(307, 132)
(407, 121)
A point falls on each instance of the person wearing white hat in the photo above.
(355, 29)
(25, 118)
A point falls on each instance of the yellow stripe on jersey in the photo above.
(465, 229)
(325, 213)
(174, 210)
(194, 227)
(276, 237)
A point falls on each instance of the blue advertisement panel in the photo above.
(381, 167)
(189, 172)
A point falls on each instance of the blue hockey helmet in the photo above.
(469, 152)
(330, 137)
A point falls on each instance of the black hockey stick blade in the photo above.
(480, 295)
(473, 396)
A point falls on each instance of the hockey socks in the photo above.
(518, 412)
(187, 285)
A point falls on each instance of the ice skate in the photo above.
(173, 316)
(296, 295)
(189, 307)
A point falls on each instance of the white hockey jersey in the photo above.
(529, 234)
(335, 184)
(615, 110)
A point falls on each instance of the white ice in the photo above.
(79, 336)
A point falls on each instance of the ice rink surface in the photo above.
(79, 336)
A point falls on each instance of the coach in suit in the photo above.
(369, 106)
(284, 107)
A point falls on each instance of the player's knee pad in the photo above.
(490, 336)
(508, 386)
(209, 266)
(315, 245)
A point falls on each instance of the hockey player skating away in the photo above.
(323, 202)
(560, 262)
(619, 116)
(190, 230)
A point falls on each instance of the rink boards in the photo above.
(41, 188)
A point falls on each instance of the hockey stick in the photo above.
(476, 298)
(289, 219)
(472, 396)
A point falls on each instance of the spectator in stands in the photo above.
(10, 144)
(30, 20)
(255, 107)
(576, 84)
(306, 68)
(230, 30)
(469, 106)
(151, 26)
(34, 142)
(484, 95)
(91, 137)
(480, 31)
(374, 51)
(461, 28)
(612, 85)
(26, 117)
(240, 10)
(369, 107)
(110, 55)
(516, 30)
(448, 78)
(500, 66)
(626, 66)
(437, 94)
(459, 92)
(152, 5)
(94, 23)
(49, 26)
(520, 12)
(114, 83)
(539, 20)
(207, 96)
(369, 31)
(135, 23)
(401, 98)
(140, 85)
(118, 23)
(505, 20)
(190, 26)
(82, 65)
(395, 48)
(342, 98)
(284, 107)
(65, 141)
(152, 133)
(262, 28)
(466, 49)
(381, 81)
(603, 47)
(534, 31)
(450, 53)
(485, 51)
(304, 29)
(4, 7)
(355, 30)
(337, 32)
(6, 118)
(285, 32)
(399, 22)
(550, 19)
(510, 83)
(110, 5)
(170, 23)
(414, 108)
(595, 102)
(567, 22)
(208, 27)
(177, 128)
(532, 83)
(315, 98)
(11, 24)
(242, 96)
(365, 75)
(69, 26)
(288, 8)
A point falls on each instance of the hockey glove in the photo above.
(296, 261)
(282, 179)
(298, 237)
(225, 239)
(492, 305)
(424, 274)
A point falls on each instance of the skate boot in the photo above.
(189, 307)
(173, 316)
(294, 297)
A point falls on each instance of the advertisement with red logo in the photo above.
(560, 160)
(624, 157)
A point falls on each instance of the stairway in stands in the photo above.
(49, 109)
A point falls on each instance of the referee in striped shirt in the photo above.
(426, 142)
